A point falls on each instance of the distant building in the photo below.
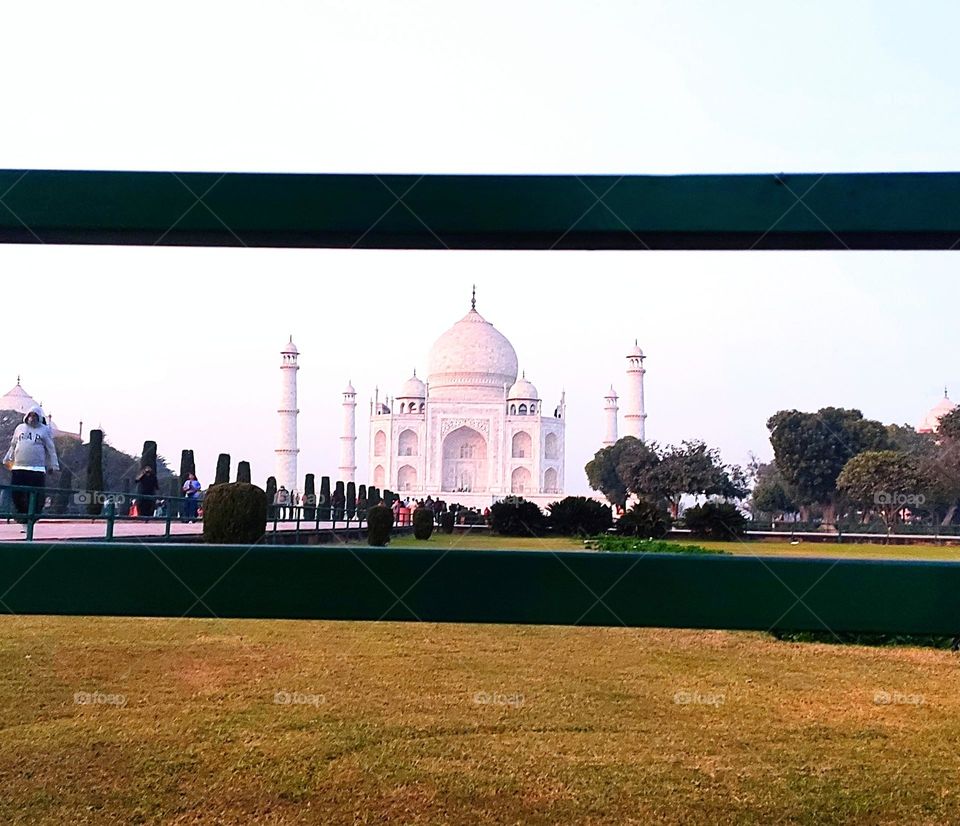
(21, 401)
(930, 423)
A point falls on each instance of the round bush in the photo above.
(517, 517)
(579, 516)
(379, 523)
(234, 513)
(422, 523)
(645, 520)
(715, 520)
(447, 521)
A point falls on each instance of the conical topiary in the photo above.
(95, 473)
(243, 472)
(271, 491)
(362, 502)
(325, 498)
(223, 469)
(339, 501)
(351, 500)
(148, 458)
(309, 497)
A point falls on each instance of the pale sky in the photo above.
(182, 345)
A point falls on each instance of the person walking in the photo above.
(191, 490)
(31, 456)
(282, 501)
(147, 487)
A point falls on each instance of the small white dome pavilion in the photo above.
(930, 423)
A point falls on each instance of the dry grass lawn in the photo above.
(413, 724)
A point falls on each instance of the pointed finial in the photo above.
(523, 374)
(945, 391)
(414, 372)
(18, 379)
(473, 298)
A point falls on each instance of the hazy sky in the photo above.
(182, 345)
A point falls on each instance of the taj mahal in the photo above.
(474, 431)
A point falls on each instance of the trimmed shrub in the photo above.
(309, 497)
(351, 500)
(222, 476)
(62, 500)
(579, 516)
(339, 501)
(373, 497)
(379, 523)
(389, 497)
(648, 546)
(715, 520)
(234, 513)
(517, 517)
(447, 521)
(324, 498)
(423, 523)
(645, 520)
(95, 472)
(243, 472)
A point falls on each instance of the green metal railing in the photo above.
(449, 585)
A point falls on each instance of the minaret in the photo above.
(634, 415)
(287, 447)
(348, 441)
(610, 410)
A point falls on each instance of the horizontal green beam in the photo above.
(803, 211)
(436, 585)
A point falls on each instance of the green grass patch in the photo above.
(647, 546)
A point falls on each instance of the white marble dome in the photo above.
(413, 388)
(471, 358)
(522, 390)
(931, 422)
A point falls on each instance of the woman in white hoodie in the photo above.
(31, 456)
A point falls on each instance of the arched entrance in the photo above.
(520, 481)
(407, 478)
(464, 461)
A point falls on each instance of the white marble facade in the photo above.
(472, 433)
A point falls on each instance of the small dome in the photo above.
(612, 394)
(522, 390)
(290, 348)
(349, 389)
(413, 388)
(931, 422)
(635, 351)
(17, 399)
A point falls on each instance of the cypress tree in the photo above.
(148, 458)
(309, 497)
(362, 502)
(324, 498)
(223, 469)
(351, 500)
(95, 472)
(373, 497)
(243, 472)
(388, 497)
(339, 500)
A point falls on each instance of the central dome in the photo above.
(472, 360)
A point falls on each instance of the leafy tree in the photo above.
(517, 517)
(579, 516)
(692, 469)
(811, 449)
(604, 470)
(771, 494)
(950, 426)
(883, 481)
